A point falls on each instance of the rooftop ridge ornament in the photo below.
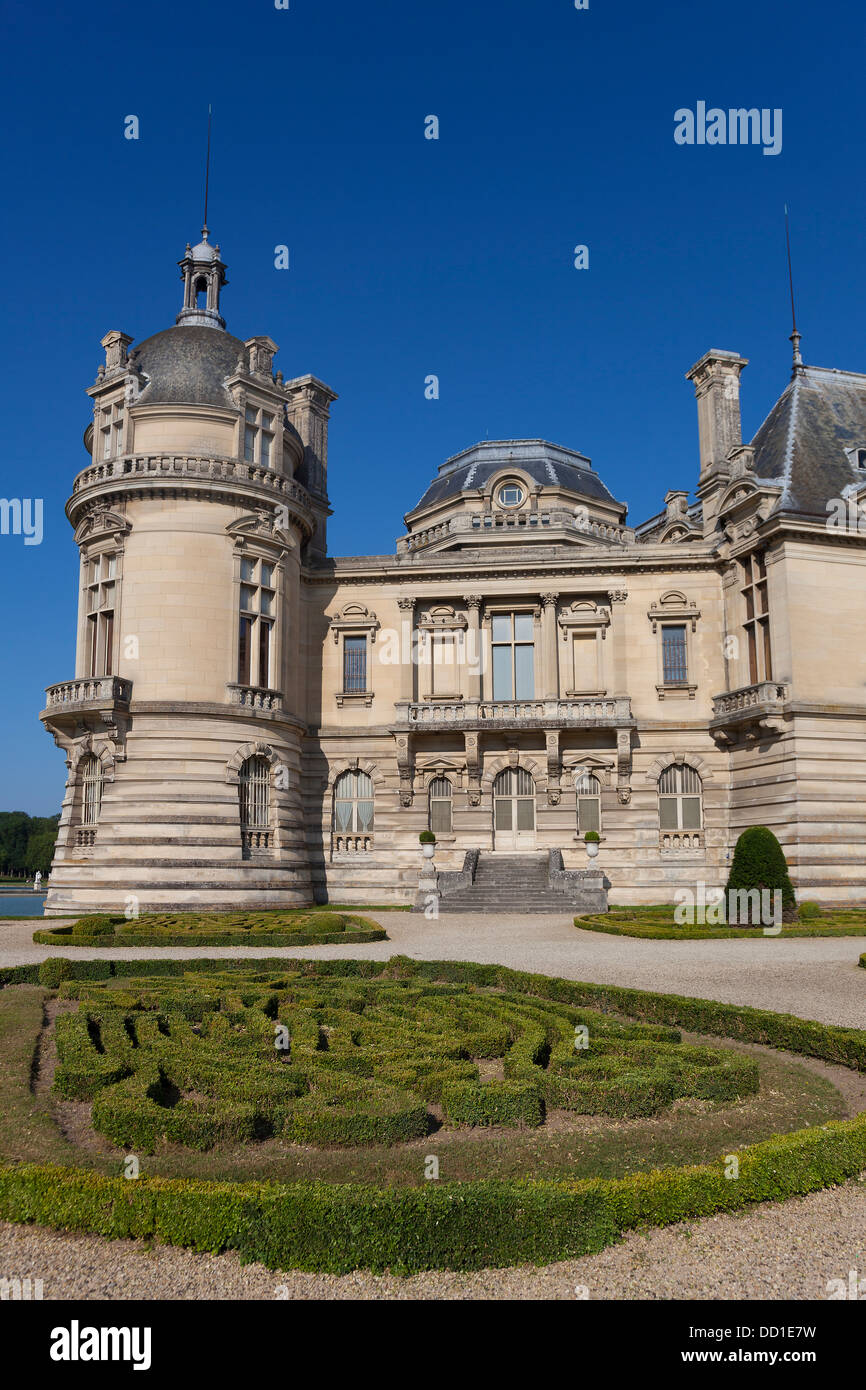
(794, 338)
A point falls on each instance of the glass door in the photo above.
(514, 810)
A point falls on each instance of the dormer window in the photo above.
(112, 431)
(860, 455)
(510, 495)
(258, 436)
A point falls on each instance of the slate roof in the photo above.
(802, 442)
(188, 366)
(549, 464)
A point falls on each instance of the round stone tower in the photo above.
(183, 725)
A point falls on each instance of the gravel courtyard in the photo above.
(787, 1251)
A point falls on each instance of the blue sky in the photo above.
(408, 256)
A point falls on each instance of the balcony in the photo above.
(254, 697)
(89, 705)
(90, 690)
(601, 712)
(754, 711)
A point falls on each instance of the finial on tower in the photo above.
(794, 338)
(202, 270)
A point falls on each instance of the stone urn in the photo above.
(592, 849)
(428, 850)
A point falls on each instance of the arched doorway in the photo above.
(514, 810)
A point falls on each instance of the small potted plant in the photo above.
(428, 843)
(591, 839)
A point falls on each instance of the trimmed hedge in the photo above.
(215, 929)
(658, 924)
(336, 1228)
(340, 1227)
(193, 1061)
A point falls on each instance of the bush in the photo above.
(427, 837)
(759, 863)
(99, 924)
(53, 970)
(809, 911)
(592, 836)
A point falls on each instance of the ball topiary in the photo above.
(98, 924)
(808, 911)
(427, 837)
(592, 837)
(759, 863)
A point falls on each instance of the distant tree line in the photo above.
(26, 843)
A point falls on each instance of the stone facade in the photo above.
(255, 724)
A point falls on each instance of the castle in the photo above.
(253, 723)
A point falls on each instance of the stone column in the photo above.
(549, 667)
(474, 652)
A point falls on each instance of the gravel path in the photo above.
(789, 1251)
(812, 977)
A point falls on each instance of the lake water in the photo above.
(21, 904)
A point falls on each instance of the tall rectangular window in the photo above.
(756, 606)
(256, 624)
(354, 665)
(101, 573)
(674, 661)
(513, 643)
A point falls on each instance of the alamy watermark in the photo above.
(736, 126)
(22, 516)
(738, 907)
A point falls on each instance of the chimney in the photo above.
(717, 388)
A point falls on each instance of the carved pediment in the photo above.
(354, 618)
(102, 524)
(673, 606)
(260, 526)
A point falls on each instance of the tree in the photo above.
(759, 863)
(14, 834)
(40, 851)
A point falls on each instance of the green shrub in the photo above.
(808, 911)
(759, 863)
(53, 970)
(427, 837)
(592, 837)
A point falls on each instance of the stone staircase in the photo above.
(513, 883)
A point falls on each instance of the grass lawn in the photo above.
(304, 927)
(657, 923)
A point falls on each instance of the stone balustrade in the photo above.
(255, 697)
(763, 695)
(591, 712)
(162, 469)
(89, 690)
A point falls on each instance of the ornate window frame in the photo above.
(354, 620)
(256, 538)
(674, 609)
(100, 536)
(439, 625)
(585, 616)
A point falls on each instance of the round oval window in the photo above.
(510, 495)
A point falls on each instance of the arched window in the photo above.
(680, 798)
(440, 806)
(588, 790)
(91, 789)
(353, 803)
(254, 786)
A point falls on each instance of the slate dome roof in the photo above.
(188, 366)
(552, 465)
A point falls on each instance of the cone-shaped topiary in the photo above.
(760, 863)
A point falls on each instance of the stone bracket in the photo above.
(623, 766)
